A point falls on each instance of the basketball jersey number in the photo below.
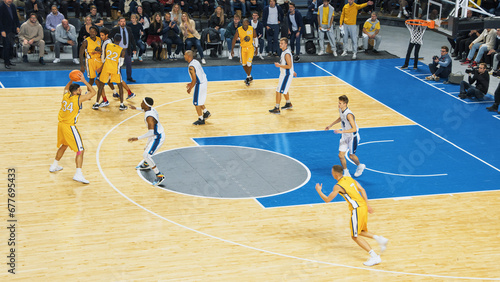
(355, 187)
(111, 55)
(67, 107)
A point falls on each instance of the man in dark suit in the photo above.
(295, 26)
(272, 18)
(9, 27)
(127, 42)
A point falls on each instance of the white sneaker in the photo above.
(55, 168)
(346, 173)
(399, 15)
(359, 170)
(382, 243)
(344, 53)
(81, 179)
(321, 53)
(203, 61)
(57, 60)
(405, 12)
(230, 57)
(373, 261)
(354, 56)
(76, 61)
(335, 53)
(260, 56)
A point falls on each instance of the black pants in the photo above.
(8, 43)
(497, 95)
(440, 72)
(408, 53)
(173, 40)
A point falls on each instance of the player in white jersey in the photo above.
(155, 135)
(350, 136)
(199, 82)
(285, 80)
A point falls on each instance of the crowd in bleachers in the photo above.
(200, 24)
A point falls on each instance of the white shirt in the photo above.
(201, 77)
(292, 21)
(273, 15)
(158, 130)
(346, 125)
(283, 62)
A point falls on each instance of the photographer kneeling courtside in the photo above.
(440, 66)
(482, 79)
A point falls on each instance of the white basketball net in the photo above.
(416, 33)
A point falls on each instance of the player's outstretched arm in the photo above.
(330, 197)
(333, 123)
(66, 88)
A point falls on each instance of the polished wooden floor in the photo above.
(119, 228)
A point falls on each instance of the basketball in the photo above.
(75, 75)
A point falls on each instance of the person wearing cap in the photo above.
(155, 136)
(110, 70)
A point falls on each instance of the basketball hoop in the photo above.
(417, 28)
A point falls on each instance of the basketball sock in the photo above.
(104, 99)
(201, 117)
(129, 92)
(376, 237)
(277, 106)
(346, 170)
(114, 91)
(288, 102)
(156, 170)
(78, 171)
(372, 253)
(56, 162)
(248, 76)
(205, 110)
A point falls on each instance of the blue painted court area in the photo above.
(402, 161)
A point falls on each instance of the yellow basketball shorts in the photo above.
(359, 221)
(92, 67)
(68, 134)
(106, 77)
(247, 55)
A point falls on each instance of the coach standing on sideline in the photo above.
(9, 26)
(127, 43)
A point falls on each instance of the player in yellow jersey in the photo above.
(67, 133)
(356, 197)
(248, 38)
(110, 72)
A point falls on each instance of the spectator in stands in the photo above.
(36, 7)
(454, 42)
(259, 29)
(239, 4)
(271, 18)
(84, 31)
(99, 23)
(127, 43)
(295, 26)
(130, 6)
(154, 36)
(104, 6)
(176, 13)
(283, 4)
(190, 35)
(440, 66)
(64, 4)
(171, 36)
(463, 46)
(312, 13)
(31, 34)
(66, 35)
(85, 6)
(371, 30)
(217, 21)
(94, 15)
(137, 31)
(493, 55)
(348, 22)
(326, 26)
(482, 79)
(482, 44)
(254, 5)
(151, 6)
(206, 7)
(230, 32)
(166, 5)
(53, 20)
(143, 18)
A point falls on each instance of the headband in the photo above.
(144, 100)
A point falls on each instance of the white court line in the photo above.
(440, 89)
(390, 173)
(1, 85)
(247, 246)
(432, 132)
(496, 116)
